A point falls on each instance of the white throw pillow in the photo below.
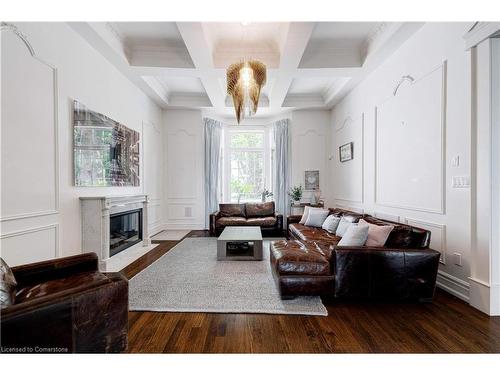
(305, 215)
(355, 235)
(377, 234)
(342, 227)
(331, 223)
(316, 217)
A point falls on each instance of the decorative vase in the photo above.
(317, 195)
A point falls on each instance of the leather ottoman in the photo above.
(300, 269)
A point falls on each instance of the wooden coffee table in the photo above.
(240, 243)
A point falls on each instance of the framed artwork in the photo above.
(311, 180)
(106, 153)
(346, 152)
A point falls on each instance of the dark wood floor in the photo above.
(448, 325)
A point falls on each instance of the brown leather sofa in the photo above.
(66, 305)
(247, 214)
(311, 263)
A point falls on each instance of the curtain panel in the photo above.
(213, 135)
(282, 167)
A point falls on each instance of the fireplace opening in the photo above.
(125, 230)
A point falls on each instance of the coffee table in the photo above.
(240, 243)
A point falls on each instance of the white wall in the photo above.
(405, 145)
(309, 146)
(184, 158)
(41, 216)
(184, 164)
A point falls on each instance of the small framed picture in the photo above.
(311, 180)
(346, 152)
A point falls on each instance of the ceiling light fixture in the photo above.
(244, 83)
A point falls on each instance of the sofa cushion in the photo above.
(305, 214)
(355, 235)
(259, 209)
(46, 288)
(311, 234)
(227, 221)
(402, 236)
(268, 221)
(7, 285)
(377, 234)
(295, 258)
(232, 209)
(344, 224)
(316, 217)
(331, 223)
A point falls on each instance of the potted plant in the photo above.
(295, 193)
(266, 194)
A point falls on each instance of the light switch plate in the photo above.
(457, 259)
(455, 162)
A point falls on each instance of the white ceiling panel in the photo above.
(310, 64)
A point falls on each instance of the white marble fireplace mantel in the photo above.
(96, 212)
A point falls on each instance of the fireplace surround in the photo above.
(113, 225)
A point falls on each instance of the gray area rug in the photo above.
(190, 279)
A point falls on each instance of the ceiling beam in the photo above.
(201, 54)
(291, 52)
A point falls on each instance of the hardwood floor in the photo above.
(448, 325)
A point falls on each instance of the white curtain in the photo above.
(282, 167)
(213, 134)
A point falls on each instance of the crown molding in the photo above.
(479, 32)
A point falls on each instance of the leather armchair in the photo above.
(67, 305)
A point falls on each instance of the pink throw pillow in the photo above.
(377, 234)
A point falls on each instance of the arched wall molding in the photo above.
(406, 78)
(13, 28)
(8, 27)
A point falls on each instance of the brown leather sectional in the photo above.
(66, 305)
(311, 263)
(247, 214)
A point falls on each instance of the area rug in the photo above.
(190, 279)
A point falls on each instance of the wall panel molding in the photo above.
(386, 216)
(442, 162)
(171, 137)
(433, 227)
(347, 123)
(5, 27)
(50, 227)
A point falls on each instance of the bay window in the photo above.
(246, 163)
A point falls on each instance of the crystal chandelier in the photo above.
(244, 82)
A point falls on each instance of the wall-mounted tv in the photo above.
(106, 153)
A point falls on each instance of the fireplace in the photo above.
(116, 228)
(125, 230)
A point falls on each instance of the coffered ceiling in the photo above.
(182, 64)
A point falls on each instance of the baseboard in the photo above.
(190, 226)
(453, 285)
(157, 228)
(484, 296)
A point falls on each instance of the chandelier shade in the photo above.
(244, 82)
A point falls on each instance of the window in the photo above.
(246, 164)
